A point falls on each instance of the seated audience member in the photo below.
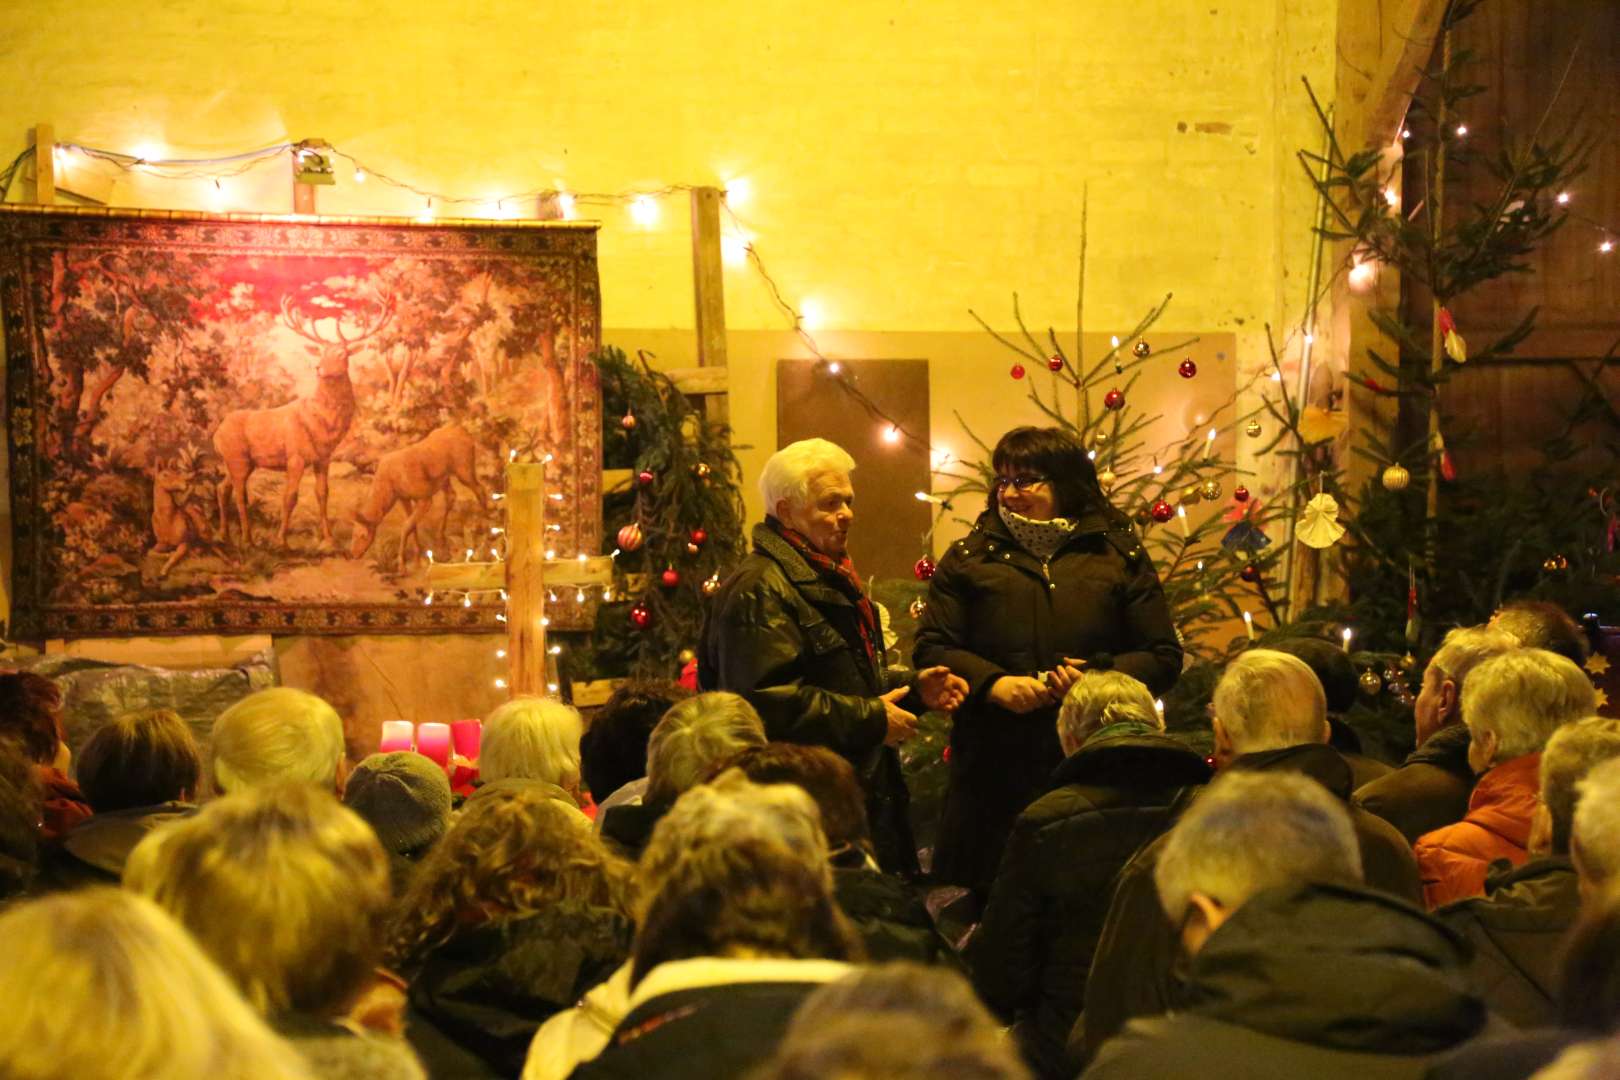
(890, 917)
(278, 735)
(511, 918)
(690, 739)
(1540, 624)
(1594, 841)
(1517, 927)
(900, 1021)
(1341, 686)
(1121, 785)
(532, 742)
(19, 821)
(735, 937)
(405, 798)
(1270, 716)
(726, 811)
(287, 891)
(31, 714)
(101, 985)
(1512, 705)
(1297, 970)
(138, 771)
(613, 750)
(1431, 788)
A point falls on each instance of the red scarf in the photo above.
(841, 575)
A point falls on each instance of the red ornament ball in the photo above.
(1114, 400)
(697, 536)
(644, 478)
(670, 577)
(924, 568)
(1054, 362)
(1162, 511)
(1187, 369)
(1250, 573)
(1017, 371)
(640, 617)
(1240, 494)
(630, 537)
(628, 421)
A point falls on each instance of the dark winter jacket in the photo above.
(333, 1052)
(629, 827)
(1516, 1056)
(1516, 930)
(1138, 964)
(1429, 791)
(94, 851)
(1315, 981)
(489, 987)
(994, 609)
(780, 636)
(1033, 951)
(890, 917)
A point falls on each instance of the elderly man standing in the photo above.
(793, 631)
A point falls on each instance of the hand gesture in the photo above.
(1020, 693)
(1061, 678)
(902, 725)
(940, 689)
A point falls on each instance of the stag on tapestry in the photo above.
(234, 425)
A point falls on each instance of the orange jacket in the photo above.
(1453, 860)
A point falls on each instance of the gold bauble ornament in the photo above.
(917, 607)
(685, 656)
(1396, 478)
(1252, 429)
(710, 586)
(1370, 682)
(1106, 480)
(1100, 439)
(1141, 350)
(1210, 490)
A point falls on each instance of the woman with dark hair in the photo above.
(31, 713)
(1051, 581)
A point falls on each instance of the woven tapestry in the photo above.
(221, 424)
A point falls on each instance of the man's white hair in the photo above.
(1522, 697)
(1251, 831)
(275, 735)
(694, 736)
(1465, 648)
(1103, 698)
(1573, 751)
(1595, 839)
(532, 738)
(786, 475)
(1270, 700)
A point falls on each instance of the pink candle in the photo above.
(396, 735)
(433, 741)
(467, 735)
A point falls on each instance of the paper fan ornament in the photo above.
(1317, 424)
(1319, 522)
(1455, 346)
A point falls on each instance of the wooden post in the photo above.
(709, 292)
(44, 164)
(525, 576)
(303, 194)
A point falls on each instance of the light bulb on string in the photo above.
(565, 205)
(579, 596)
(833, 367)
(1462, 129)
(500, 654)
(1562, 199)
(1606, 247)
(500, 684)
(359, 175)
(466, 599)
(891, 434)
(738, 190)
(555, 650)
(644, 211)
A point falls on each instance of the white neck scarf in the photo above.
(1040, 538)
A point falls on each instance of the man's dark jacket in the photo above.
(790, 643)
(890, 916)
(1032, 953)
(1429, 791)
(1317, 981)
(1516, 930)
(1136, 971)
(994, 609)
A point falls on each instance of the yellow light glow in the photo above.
(812, 316)
(891, 435)
(738, 191)
(733, 250)
(644, 211)
(565, 203)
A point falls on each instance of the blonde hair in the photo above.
(1522, 697)
(512, 853)
(283, 886)
(102, 984)
(786, 476)
(532, 738)
(275, 735)
(1103, 698)
(1466, 647)
(1595, 836)
(1574, 751)
(694, 736)
(1270, 700)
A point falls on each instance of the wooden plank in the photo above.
(594, 693)
(303, 194)
(701, 380)
(709, 292)
(617, 480)
(485, 576)
(44, 164)
(526, 582)
(1409, 32)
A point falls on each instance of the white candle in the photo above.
(1248, 624)
(1181, 518)
(1347, 635)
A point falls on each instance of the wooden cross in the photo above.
(525, 575)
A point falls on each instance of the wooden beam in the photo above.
(303, 194)
(709, 291)
(701, 380)
(525, 577)
(485, 576)
(44, 164)
(1410, 30)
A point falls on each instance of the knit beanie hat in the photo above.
(404, 796)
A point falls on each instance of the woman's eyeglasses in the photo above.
(1023, 481)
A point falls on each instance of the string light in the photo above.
(1562, 199)
(644, 211)
(891, 435)
(811, 317)
(565, 206)
(359, 175)
(738, 191)
(1606, 247)
(500, 684)
(1462, 129)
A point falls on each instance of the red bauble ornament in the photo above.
(1017, 371)
(630, 537)
(1250, 573)
(1054, 362)
(1114, 399)
(1240, 494)
(670, 577)
(1162, 511)
(640, 617)
(923, 568)
(1187, 369)
(628, 421)
(697, 536)
(644, 478)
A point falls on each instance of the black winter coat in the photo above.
(1516, 929)
(994, 609)
(790, 643)
(1429, 791)
(890, 917)
(1319, 981)
(1138, 967)
(1032, 953)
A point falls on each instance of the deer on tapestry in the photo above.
(176, 527)
(413, 475)
(298, 435)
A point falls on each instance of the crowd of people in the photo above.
(722, 883)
